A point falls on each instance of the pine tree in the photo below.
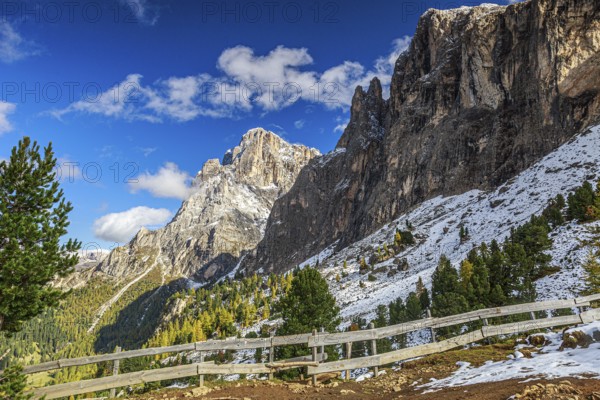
(553, 213)
(33, 218)
(420, 286)
(445, 291)
(581, 203)
(479, 282)
(308, 305)
(413, 307)
(497, 296)
(397, 311)
(466, 272)
(424, 299)
(499, 272)
(13, 383)
(592, 270)
(463, 234)
(381, 320)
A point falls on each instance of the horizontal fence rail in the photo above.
(314, 340)
(457, 341)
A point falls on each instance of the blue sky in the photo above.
(150, 89)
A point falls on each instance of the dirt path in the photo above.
(401, 384)
(559, 389)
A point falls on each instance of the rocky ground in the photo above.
(393, 386)
(401, 383)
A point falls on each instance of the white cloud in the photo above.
(121, 227)
(146, 151)
(248, 81)
(12, 45)
(299, 124)
(168, 182)
(273, 81)
(337, 84)
(5, 110)
(68, 170)
(144, 12)
(341, 126)
(122, 100)
(384, 66)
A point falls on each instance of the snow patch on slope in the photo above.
(487, 215)
(549, 363)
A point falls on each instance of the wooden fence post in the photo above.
(271, 357)
(486, 323)
(374, 350)
(314, 358)
(116, 364)
(323, 347)
(433, 339)
(201, 376)
(348, 356)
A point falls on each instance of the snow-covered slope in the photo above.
(487, 215)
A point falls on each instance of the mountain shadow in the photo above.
(137, 322)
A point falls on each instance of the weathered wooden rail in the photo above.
(317, 340)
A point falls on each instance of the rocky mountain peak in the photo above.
(224, 217)
(366, 113)
(481, 94)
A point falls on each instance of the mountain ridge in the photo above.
(222, 219)
(481, 94)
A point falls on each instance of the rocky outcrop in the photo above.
(224, 217)
(481, 94)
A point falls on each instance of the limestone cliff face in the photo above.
(481, 94)
(225, 216)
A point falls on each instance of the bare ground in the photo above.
(400, 384)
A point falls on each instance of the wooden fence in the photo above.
(317, 340)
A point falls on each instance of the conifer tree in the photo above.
(33, 219)
(582, 203)
(424, 299)
(13, 383)
(397, 311)
(446, 289)
(306, 306)
(592, 270)
(413, 307)
(382, 319)
(423, 295)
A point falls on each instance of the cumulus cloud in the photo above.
(121, 227)
(13, 47)
(248, 81)
(168, 182)
(68, 170)
(122, 100)
(385, 65)
(5, 110)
